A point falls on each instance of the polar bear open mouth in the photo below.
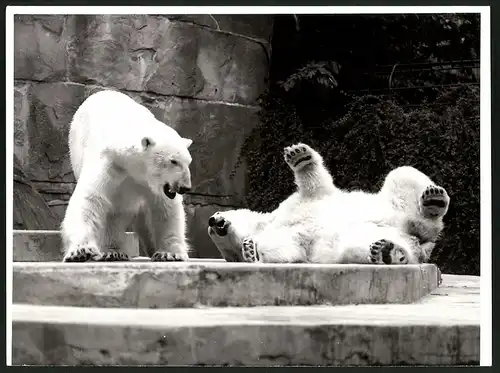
(218, 225)
(168, 191)
(306, 158)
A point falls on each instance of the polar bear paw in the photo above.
(434, 201)
(82, 253)
(249, 251)
(218, 224)
(298, 156)
(165, 256)
(114, 256)
(386, 252)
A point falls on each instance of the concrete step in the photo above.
(46, 246)
(192, 284)
(440, 329)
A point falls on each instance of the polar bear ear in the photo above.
(188, 142)
(147, 142)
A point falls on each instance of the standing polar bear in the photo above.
(321, 223)
(128, 165)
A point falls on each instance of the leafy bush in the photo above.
(375, 136)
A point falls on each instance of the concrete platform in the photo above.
(218, 284)
(46, 246)
(440, 329)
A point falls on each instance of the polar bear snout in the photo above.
(211, 221)
(218, 224)
(183, 190)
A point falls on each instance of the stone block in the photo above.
(218, 284)
(52, 107)
(40, 43)
(393, 334)
(152, 53)
(21, 119)
(37, 246)
(56, 195)
(250, 25)
(46, 246)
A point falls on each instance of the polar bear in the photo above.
(127, 165)
(321, 223)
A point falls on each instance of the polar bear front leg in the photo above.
(115, 237)
(311, 176)
(275, 245)
(169, 220)
(84, 222)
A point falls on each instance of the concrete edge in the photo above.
(146, 284)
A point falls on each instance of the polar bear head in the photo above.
(165, 164)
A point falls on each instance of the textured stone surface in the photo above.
(145, 53)
(430, 332)
(29, 208)
(249, 25)
(152, 53)
(46, 246)
(40, 47)
(51, 108)
(21, 117)
(37, 246)
(178, 284)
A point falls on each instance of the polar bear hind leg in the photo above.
(368, 243)
(387, 252)
(394, 247)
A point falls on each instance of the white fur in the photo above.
(122, 157)
(321, 223)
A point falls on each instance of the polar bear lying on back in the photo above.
(321, 223)
(127, 165)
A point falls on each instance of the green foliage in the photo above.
(375, 136)
(323, 72)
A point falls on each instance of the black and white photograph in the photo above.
(248, 186)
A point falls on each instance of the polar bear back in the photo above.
(111, 120)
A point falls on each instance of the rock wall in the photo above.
(200, 74)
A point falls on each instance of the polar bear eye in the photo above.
(174, 162)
